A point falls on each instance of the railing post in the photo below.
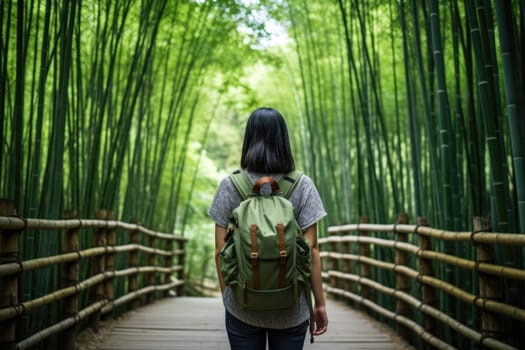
(150, 277)
(180, 274)
(364, 269)
(428, 293)
(8, 284)
(97, 267)
(109, 263)
(402, 281)
(168, 263)
(490, 287)
(133, 261)
(347, 267)
(70, 277)
(333, 262)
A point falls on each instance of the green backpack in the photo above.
(266, 260)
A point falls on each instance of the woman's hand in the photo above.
(320, 320)
(320, 317)
(220, 234)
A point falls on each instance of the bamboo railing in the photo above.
(352, 271)
(150, 270)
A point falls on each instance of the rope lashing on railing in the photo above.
(475, 232)
(12, 258)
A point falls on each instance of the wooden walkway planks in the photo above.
(198, 323)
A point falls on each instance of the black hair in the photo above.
(266, 146)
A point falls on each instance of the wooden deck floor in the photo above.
(198, 323)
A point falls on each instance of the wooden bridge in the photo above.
(198, 323)
(396, 274)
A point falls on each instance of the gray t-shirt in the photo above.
(308, 209)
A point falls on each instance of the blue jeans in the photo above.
(243, 336)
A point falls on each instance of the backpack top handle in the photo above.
(244, 185)
(266, 186)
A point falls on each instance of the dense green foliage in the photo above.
(405, 110)
(393, 106)
(101, 103)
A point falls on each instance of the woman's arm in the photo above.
(220, 234)
(320, 317)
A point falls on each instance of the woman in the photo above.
(266, 151)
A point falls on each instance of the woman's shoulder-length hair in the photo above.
(266, 145)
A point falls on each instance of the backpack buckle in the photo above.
(266, 190)
(254, 256)
(283, 255)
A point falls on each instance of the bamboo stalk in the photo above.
(97, 267)
(133, 262)
(29, 265)
(514, 95)
(333, 262)
(500, 308)
(39, 263)
(448, 163)
(17, 160)
(60, 326)
(490, 287)
(168, 263)
(428, 294)
(151, 277)
(489, 99)
(8, 284)
(18, 223)
(364, 250)
(181, 253)
(481, 237)
(149, 290)
(70, 273)
(402, 282)
(29, 305)
(496, 270)
(109, 261)
(347, 266)
(361, 259)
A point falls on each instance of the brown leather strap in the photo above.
(283, 254)
(266, 179)
(254, 256)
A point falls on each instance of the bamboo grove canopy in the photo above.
(393, 105)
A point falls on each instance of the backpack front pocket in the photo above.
(229, 265)
(304, 259)
(264, 300)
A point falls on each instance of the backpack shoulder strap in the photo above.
(288, 182)
(242, 183)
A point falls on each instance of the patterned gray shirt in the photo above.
(308, 209)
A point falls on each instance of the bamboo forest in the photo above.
(138, 108)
